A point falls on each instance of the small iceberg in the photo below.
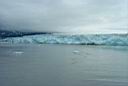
(76, 51)
(18, 52)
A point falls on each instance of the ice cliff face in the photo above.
(100, 39)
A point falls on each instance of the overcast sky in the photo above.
(65, 15)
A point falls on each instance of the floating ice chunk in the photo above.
(76, 51)
(18, 52)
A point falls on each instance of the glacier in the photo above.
(90, 39)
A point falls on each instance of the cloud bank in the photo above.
(65, 15)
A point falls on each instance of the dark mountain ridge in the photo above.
(7, 33)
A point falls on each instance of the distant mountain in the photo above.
(6, 33)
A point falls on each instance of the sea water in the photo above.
(63, 65)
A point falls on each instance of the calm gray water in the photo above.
(63, 65)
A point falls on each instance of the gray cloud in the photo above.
(64, 15)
